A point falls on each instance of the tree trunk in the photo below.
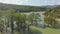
(12, 25)
(19, 25)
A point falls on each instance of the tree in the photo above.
(9, 14)
(31, 18)
(18, 18)
(50, 17)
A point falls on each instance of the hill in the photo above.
(24, 7)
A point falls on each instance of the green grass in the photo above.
(38, 30)
(45, 31)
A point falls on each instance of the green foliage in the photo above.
(51, 15)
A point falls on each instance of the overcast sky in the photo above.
(32, 2)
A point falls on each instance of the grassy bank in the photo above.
(44, 31)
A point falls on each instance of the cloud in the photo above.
(58, 3)
(32, 2)
(15, 1)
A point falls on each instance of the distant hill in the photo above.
(24, 7)
(50, 6)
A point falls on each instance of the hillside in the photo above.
(24, 7)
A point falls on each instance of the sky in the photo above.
(32, 2)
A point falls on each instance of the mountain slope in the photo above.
(24, 7)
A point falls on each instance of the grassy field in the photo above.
(38, 30)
